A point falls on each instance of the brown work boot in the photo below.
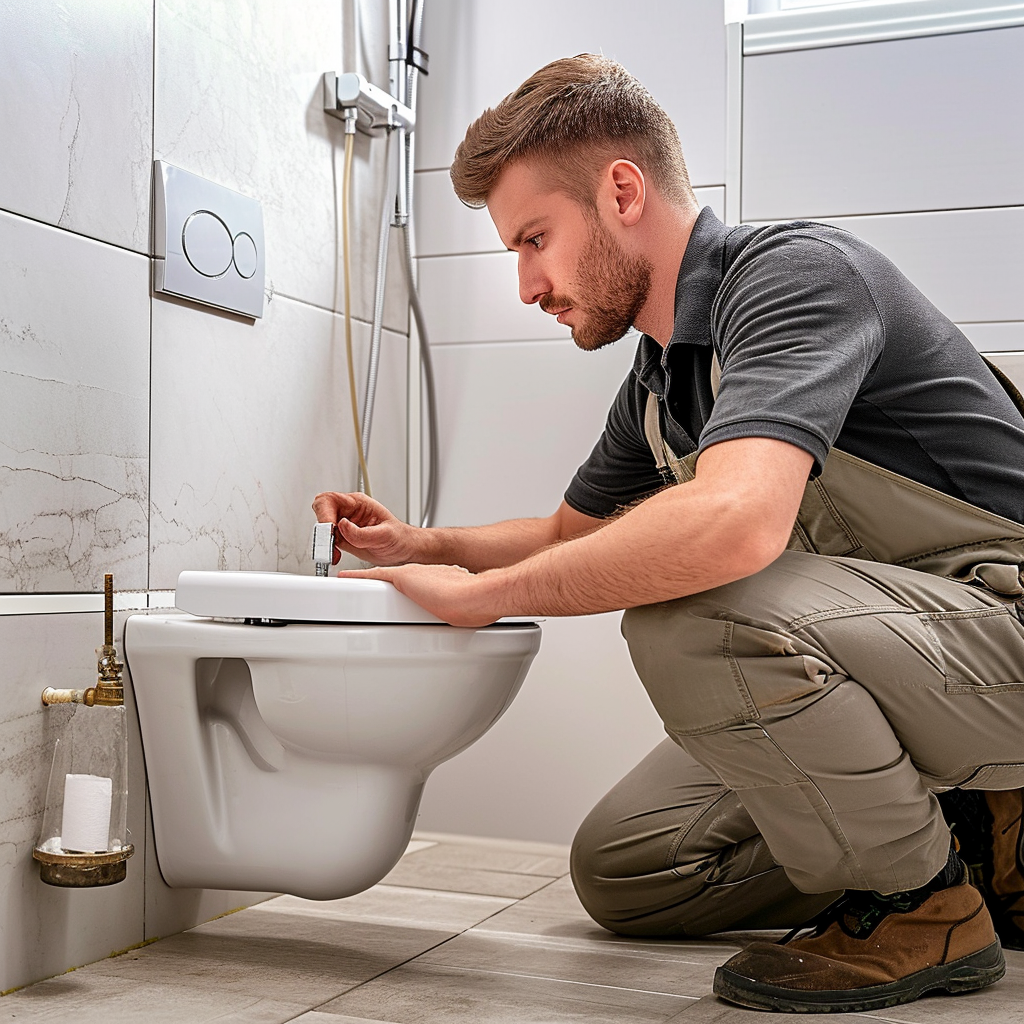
(869, 951)
(1003, 867)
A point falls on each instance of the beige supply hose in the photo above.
(346, 188)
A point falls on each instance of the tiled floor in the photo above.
(462, 930)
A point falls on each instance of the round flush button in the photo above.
(245, 254)
(206, 241)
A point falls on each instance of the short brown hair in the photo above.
(576, 115)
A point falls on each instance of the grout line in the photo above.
(334, 312)
(510, 341)
(560, 981)
(76, 234)
(596, 946)
(882, 213)
(468, 252)
(973, 323)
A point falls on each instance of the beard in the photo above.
(615, 285)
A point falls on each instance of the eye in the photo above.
(534, 241)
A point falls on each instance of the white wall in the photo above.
(521, 407)
(142, 435)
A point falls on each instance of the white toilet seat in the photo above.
(286, 597)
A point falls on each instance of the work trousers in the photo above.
(812, 710)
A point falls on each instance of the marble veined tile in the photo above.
(250, 422)
(238, 100)
(46, 930)
(74, 403)
(76, 115)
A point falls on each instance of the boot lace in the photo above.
(858, 912)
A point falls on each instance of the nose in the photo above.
(533, 283)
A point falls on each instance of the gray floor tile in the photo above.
(397, 905)
(539, 849)
(319, 1017)
(553, 910)
(494, 856)
(409, 954)
(676, 968)
(288, 957)
(425, 993)
(424, 875)
(95, 999)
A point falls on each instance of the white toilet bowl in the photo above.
(287, 750)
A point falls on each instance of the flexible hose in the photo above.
(430, 504)
(373, 365)
(363, 433)
(433, 456)
(346, 190)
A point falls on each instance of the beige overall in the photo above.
(814, 707)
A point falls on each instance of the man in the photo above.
(814, 701)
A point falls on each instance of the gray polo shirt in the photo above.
(822, 342)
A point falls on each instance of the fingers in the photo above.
(379, 573)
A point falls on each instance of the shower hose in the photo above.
(362, 430)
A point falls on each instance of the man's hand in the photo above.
(449, 591)
(365, 528)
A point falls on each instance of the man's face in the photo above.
(570, 263)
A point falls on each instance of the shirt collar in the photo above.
(700, 276)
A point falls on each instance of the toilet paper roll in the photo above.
(86, 824)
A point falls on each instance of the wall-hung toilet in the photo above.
(289, 724)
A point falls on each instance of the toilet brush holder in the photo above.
(84, 837)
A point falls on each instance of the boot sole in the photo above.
(965, 975)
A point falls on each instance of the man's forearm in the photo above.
(683, 540)
(731, 521)
(478, 548)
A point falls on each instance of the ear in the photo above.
(627, 190)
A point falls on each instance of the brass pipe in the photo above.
(109, 688)
(51, 695)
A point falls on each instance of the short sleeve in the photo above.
(621, 468)
(799, 333)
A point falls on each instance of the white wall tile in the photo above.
(76, 116)
(479, 52)
(74, 425)
(250, 422)
(238, 100)
(970, 263)
(446, 227)
(45, 930)
(1002, 337)
(713, 197)
(912, 124)
(476, 298)
(581, 721)
(516, 420)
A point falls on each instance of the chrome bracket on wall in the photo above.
(375, 109)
